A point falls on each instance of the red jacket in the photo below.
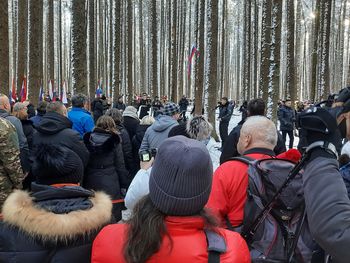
(229, 188)
(189, 244)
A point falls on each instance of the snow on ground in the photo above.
(236, 118)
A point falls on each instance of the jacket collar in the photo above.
(183, 224)
(260, 150)
(80, 109)
(20, 211)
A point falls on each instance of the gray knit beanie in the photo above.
(181, 177)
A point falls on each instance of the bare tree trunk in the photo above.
(22, 31)
(173, 52)
(247, 51)
(50, 42)
(315, 51)
(130, 52)
(116, 50)
(92, 70)
(291, 67)
(35, 71)
(4, 47)
(212, 47)
(154, 54)
(79, 46)
(200, 59)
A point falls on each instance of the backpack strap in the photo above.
(216, 246)
(243, 159)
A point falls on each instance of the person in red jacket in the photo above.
(229, 191)
(171, 224)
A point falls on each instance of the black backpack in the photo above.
(283, 235)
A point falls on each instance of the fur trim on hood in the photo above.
(20, 211)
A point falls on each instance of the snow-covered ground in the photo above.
(236, 118)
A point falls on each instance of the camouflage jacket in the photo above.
(11, 174)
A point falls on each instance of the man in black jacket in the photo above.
(229, 150)
(286, 116)
(224, 119)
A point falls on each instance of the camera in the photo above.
(146, 156)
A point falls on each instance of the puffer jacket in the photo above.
(52, 224)
(188, 243)
(286, 116)
(158, 132)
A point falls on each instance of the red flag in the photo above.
(24, 90)
(13, 93)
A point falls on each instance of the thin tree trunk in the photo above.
(130, 52)
(173, 52)
(154, 54)
(92, 70)
(22, 32)
(4, 47)
(291, 67)
(50, 42)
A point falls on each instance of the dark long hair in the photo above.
(147, 228)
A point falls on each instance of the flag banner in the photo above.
(13, 93)
(41, 92)
(64, 94)
(24, 89)
(50, 88)
(194, 51)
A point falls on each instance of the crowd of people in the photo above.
(148, 183)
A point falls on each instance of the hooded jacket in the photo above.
(81, 119)
(188, 243)
(56, 129)
(52, 224)
(136, 143)
(157, 133)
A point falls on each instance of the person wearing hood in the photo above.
(106, 169)
(56, 129)
(131, 120)
(41, 110)
(58, 220)
(159, 130)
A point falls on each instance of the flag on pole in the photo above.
(64, 94)
(99, 90)
(13, 95)
(41, 92)
(24, 89)
(50, 89)
(194, 51)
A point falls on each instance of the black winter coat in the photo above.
(286, 116)
(106, 169)
(97, 108)
(119, 106)
(52, 225)
(28, 130)
(225, 113)
(229, 149)
(130, 125)
(136, 143)
(183, 103)
(56, 129)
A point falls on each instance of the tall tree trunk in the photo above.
(154, 53)
(265, 49)
(212, 47)
(22, 32)
(116, 50)
(92, 69)
(130, 52)
(4, 48)
(200, 58)
(315, 51)
(142, 56)
(35, 71)
(173, 52)
(247, 51)
(79, 47)
(291, 67)
(50, 42)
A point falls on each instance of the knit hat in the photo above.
(171, 109)
(130, 111)
(57, 164)
(181, 177)
(199, 128)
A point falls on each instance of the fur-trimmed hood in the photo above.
(20, 210)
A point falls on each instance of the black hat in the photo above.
(57, 164)
(181, 177)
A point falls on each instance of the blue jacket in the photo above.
(82, 120)
(286, 116)
(345, 173)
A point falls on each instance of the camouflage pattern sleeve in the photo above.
(11, 174)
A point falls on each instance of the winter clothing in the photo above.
(188, 243)
(136, 143)
(286, 116)
(119, 105)
(171, 109)
(168, 190)
(158, 132)
(23, 144)
(37, 118)
(229, 193)
(130, 111)
(106, 170)
(327, 207)
(183, 103)
(138, 188)
(291, 138)
(52, 224)
(97, 108)
(30, 110)
(144, 107)
(229, 149)
(292, 155)
(56, 129)
(345, 173)
(28, 131)
(179, 130)
(57, 165)
(130, 162)
(81, 119)
(130, 124)
(225, 117)
(213, 152)
(11, 174)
